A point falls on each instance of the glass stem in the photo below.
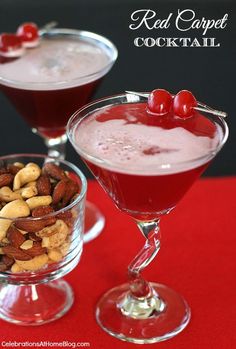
(139, 287)
(56, 147)
(142, 301)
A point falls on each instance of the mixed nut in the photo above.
(27, 192)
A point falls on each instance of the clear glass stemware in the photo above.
(47, 106)
(141, 311)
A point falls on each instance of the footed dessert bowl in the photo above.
(41, 236)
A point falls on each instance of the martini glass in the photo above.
(50, 82)
(146, 164)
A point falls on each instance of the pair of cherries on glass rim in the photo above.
(161, 102)
(13, 45)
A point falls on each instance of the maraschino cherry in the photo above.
(10, 45)
(29, 34)
(159, 102)
(184, 103)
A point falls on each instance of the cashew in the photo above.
(19, 164)
(37, 201)
(55, 255)
(15, 268)
(29, 173)
(7, 195)
(30, 184)
(57, 227)
(27, 192)
(57, 239)
(15, 209)
(33, 264)
(64, 247)
(31, 164)
(27, 245)
(4, 225)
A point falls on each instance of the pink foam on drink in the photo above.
(56, 60)
(136, 148)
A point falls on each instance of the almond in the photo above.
(43, 185)
(3, 170)
(71, 189)
(34, 237)
(6, 179)
(64, 215)
(59, 191)
(54, 171)
(8, 261)
(14, 236)
(42, 211)
(31, 226)
(3, 267)
(36, 250)
(13, 169)
(16, 253)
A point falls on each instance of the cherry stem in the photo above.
(201, 107)
(48, 26)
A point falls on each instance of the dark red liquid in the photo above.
(49, 110)
(145, 196)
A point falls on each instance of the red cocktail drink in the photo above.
(146, 156)
(49, 82)
(141, 159)
(47, 111)
(144, 196)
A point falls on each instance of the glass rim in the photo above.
(78, 172)
(75, 120)
(83, 34)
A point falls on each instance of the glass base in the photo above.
(169, 318)
(94, 222)
(35, 304)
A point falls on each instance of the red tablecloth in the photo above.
(197, 259)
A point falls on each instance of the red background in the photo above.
(197, 259)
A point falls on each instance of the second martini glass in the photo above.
(49, 82)
(146, 164)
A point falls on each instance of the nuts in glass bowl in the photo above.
(36, 219)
